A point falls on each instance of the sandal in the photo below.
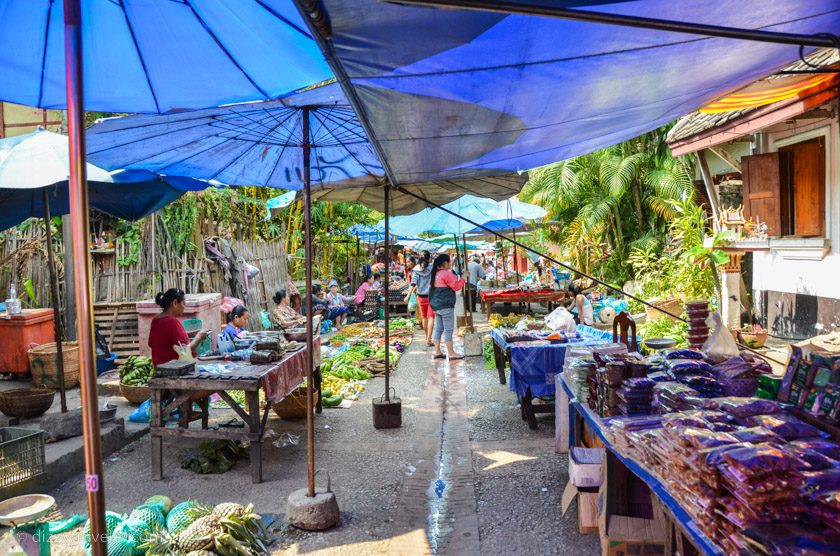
(441, 356)
(233, 423)
(456, 357)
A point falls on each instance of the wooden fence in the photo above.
(155, 268)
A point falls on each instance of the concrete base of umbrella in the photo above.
(312, 513)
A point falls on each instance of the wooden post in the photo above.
(79, 224)
(310, 378)
(56, 300)
(387, 296)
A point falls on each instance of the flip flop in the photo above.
(456, 357)
(441, 356)
(233, 423)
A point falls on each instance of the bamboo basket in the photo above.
(26, 403)
(672, 305)
(43, 364)
(135, 394)
(292, 406)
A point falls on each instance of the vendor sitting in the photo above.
(237, 320)
(320, 305)
(366, 285)
(284, 315)
(336, 303)
(581, 306)
(166, 330)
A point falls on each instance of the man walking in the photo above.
(476, 273)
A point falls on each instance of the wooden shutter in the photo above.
(761, 176)
(808, 192)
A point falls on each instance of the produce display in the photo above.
(137, 371)
(509, 321)
(191, 528)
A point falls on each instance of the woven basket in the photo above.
(135, 394)
(672, 305)
(292, 406)
(26, 402)
(43, 364)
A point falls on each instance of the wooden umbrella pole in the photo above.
(515, 258)
(310, 344)
(56, 302)
(468, 298)
(79, 225)
(387, 297)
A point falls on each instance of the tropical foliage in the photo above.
(628, 213)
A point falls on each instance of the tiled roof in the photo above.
(698, 122)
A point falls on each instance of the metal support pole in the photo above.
(56, 300)
(94, 479)
(356, 282)
(387, 296)
(468, 299)
(539, 8)
(310, 344)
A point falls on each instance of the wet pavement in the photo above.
(463, 475)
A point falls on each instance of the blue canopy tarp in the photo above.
(158, 55)
(453, 94)
(131, 196)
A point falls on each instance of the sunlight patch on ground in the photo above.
(501, 457)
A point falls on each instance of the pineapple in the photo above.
(201, 534)
(201, 553)
(164, 502)
(182, 515)
(111, 521)
(228, 509)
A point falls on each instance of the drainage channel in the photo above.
(437, 493)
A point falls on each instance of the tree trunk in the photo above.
(637, 199)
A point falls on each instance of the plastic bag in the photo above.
(721, 345)
(412, 302)
(785, 425)
(560, 319)
(142, 414)
(224, 344)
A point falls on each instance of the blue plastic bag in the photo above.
(142, 414)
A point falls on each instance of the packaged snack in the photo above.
(687, 419)
(747, 407)
(757, 435)
(822, 481)
(684, 353)
(815, 461)
(748, 462)
(679, 367)
(792, 539)
(828, 448)
(790, 373)
(785, 425)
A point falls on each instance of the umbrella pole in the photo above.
(468, 298)
(56, 302)
(310, 344)
(357, 265)
(78, 192)
(387, 296)
(515, 258)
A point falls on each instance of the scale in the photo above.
(28, 537)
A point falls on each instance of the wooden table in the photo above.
(488, 298)
(278, 380)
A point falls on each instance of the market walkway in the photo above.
(463, 475)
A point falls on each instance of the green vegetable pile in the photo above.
(137, 371)
(346, 365)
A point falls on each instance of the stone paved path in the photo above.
(463, 475)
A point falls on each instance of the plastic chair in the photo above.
(624, 331)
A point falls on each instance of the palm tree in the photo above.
(620, 197)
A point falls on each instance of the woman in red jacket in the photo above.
(444, 284)
(166, 330)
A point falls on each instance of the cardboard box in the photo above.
(587, 507)
(633, 536)
(585, 466)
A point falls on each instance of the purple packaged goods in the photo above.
(815, 461)
(747, 407)
(790, 372)
(828, 448)
(683, 353)
(785, 425)
(757, 435)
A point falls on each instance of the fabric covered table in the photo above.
(517, 295)
(532, 367)
(277, 380)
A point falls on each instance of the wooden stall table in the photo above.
(518, 295)
(277, 380)
(682, 534)
(533, 365)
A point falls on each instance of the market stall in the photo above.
(276, 379)
(520, 295)
(733, 459)
(535, 356)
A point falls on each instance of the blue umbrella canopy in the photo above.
(146, 56)
(496, 215)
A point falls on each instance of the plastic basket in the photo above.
(196, 325)
(21, 455)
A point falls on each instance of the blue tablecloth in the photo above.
(534, 367)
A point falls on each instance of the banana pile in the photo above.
(137, 371)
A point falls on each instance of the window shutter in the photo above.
(761, 175)
(809, 188)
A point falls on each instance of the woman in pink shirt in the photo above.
(363, 288)
(444, 284)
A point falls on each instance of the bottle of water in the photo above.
(13, 304)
